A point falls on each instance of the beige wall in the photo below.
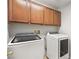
(21, 28)
(66, 20)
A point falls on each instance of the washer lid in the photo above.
(26, 37)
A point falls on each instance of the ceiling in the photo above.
(54, 3)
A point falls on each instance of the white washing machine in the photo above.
(57, 46)
(26, 46)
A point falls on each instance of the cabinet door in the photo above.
(57, 18)
(48, 16)
(20, 11)
(9, 10)
(36, 13)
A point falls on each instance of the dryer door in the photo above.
(63, 47)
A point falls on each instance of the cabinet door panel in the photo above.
(48, 16)
(36, 13)
(9, 10)
(21, 11)
(57, 18)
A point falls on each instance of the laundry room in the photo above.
(39, 29)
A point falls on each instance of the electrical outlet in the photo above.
(36, 31)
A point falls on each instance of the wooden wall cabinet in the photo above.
(20, 11)
(57, 18)
(28, 12)
(36, 14)
(10, 10)
(48, 16)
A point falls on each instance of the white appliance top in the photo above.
(12, 38)
(57, 35)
